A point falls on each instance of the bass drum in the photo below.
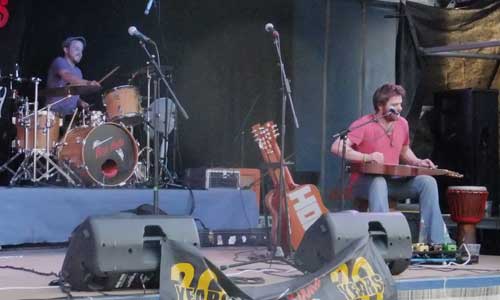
(105, 155)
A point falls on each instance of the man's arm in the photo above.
(353, 155)
(73, 79)
(407, 156)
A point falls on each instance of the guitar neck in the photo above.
(400, 170)
(271, 153)
(275, 171)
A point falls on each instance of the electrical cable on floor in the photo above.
(272, 273)
(253, 256)
(469, 256)
(447, 268)
(247, 280)
(29, 270)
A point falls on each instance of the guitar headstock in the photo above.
(265, 135)
(454, 174)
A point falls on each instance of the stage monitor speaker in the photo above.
(122, 251)
(334, 232)
(466, 138)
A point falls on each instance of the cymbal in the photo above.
(11, 78)
(144, 70)
(80, 90)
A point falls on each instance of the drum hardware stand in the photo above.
(5, 166)
(148, 119)
(25, 106)
(162, 138)
(22, 111)
(171, 178)
(156, 138)
(31, 162)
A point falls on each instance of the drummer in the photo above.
(63, 71)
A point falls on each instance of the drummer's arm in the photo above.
(73, 79)
(408, 156)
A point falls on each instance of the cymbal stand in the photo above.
(148, 135)
(184, 113)
(32, 161)
(22, 111)
(155, 123)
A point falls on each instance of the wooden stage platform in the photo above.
(477, 281)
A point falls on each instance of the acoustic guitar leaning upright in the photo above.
(304, 202)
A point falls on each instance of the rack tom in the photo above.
(122, 105)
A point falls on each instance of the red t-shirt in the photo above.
(373, 138)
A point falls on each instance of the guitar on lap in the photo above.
(400, 170)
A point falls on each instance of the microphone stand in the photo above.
(277, 253)
(343, 137)
(156, 137)
(286, 94)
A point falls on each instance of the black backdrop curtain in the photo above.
(223, 61)
(422, 76)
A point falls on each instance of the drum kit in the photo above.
(99, 149)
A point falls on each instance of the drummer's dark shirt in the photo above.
(67, 106)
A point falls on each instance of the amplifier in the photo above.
(233, 178)
(222, 178)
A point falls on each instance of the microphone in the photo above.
(148, 7)
(132, 30)
(270, 28)
(392, 111)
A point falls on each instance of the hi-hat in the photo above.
(80, 90)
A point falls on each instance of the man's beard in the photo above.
(391, 117)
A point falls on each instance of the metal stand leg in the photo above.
(5, 166)
(33, 168)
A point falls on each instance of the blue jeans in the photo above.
(377, 189)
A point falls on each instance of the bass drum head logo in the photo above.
(110, 154)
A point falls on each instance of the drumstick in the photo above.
(109, 74)
(69, 126)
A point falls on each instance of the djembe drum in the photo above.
(467, 205)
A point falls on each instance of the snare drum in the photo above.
(26, 131)
(105, 155)
(122, 105)
(92, 118)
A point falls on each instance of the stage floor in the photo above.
(15, 284)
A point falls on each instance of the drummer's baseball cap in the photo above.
(68, 41)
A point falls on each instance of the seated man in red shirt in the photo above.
(385, 139)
